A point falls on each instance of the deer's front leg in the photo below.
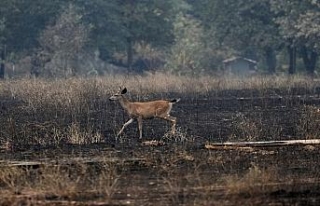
(125, 125)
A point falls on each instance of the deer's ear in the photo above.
(124, 91)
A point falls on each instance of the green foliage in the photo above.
(246, 26)
(298, 20)
(198, 35)
(64, 41)
(2, 30)
(187, 53)
(118, 25)
(298, 24)
(68, 34)
(23, 21)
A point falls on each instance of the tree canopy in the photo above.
(181, 36)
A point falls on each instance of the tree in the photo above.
(2, 49)
(107, 31)
(24, 20)
(244, 25)
(21, 23)
(119, 25)
(299, 26)
(64, 40)
(187, 53)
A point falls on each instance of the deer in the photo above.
(145, 110)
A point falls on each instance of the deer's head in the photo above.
(118, 95)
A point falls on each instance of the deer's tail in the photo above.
(175, 100)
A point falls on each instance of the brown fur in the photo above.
(145, 110)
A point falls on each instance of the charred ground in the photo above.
(75, 135)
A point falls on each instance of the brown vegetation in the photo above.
(58, 142)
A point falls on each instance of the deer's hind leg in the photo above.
(140, 127)
(173, 120)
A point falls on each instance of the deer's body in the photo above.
(145, 110)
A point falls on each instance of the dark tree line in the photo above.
(182, 36)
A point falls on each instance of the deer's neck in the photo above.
(124, 102)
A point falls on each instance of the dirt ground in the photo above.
(165, 170)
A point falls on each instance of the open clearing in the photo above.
(47, 158)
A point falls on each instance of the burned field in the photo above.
(59, 146)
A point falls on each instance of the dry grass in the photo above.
(75, 94)
(255, 181)
(60, 182)
(12, 178)
(52, 112)
(70, 91)
(245, 129)
(309, 122)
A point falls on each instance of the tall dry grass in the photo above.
(79, 182)
(72, 89)
(76, 110)
(255, 181)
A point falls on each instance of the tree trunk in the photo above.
(129, 53)
(2, 65)
(129, 19)
(235, 145)
(35, 65)
(309, 59)
(271, 60)
(292, 59)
